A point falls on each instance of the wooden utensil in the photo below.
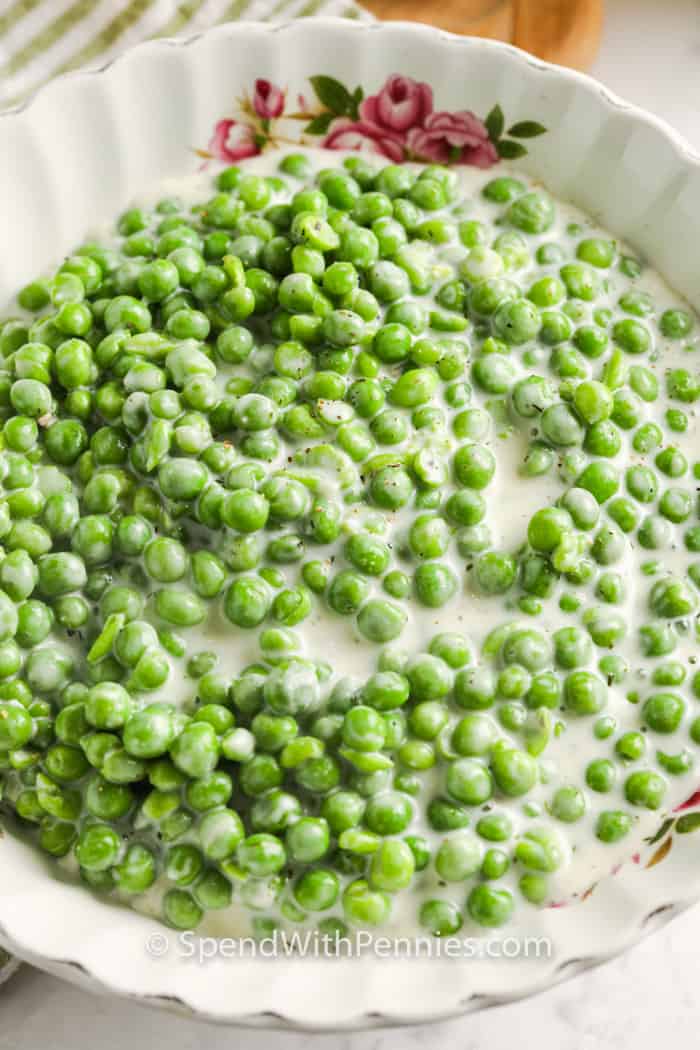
(563, 31)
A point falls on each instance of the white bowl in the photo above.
(72, 158)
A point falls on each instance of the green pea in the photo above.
(516, 321)
(632, 336)
(514, 772)
(540, 849)
(533, 212)
(441, 918)
(195, 751)
(645, 789)
(490, 907)
(568, 804)
(469, 782)
(596, 252)
(97, 847)
(181, 910)
(495, 572)
(495, 827)
(612, 825)
(676, 323)
(663, 712)
(392, 866)
(364, 906)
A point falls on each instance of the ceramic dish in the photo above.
(76, 155)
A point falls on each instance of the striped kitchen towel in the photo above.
(41, 38)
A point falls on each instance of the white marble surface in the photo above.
(649, 997)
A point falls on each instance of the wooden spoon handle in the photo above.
(490, 18)
(564, 31)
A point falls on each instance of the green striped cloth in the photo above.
(41, 38)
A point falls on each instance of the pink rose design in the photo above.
(268, 100)
(402, 103)
(233, 141)
(366, 138)
(453, 138)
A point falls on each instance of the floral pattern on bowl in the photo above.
(400, 123)
(683, 820)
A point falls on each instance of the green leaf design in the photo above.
(334, 95)
(357, 96)
(687, 823)
(666, 826)
(319, 125)
(494, 123)
(510, 150)
(527, 129)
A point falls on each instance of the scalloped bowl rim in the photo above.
(662, 902)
